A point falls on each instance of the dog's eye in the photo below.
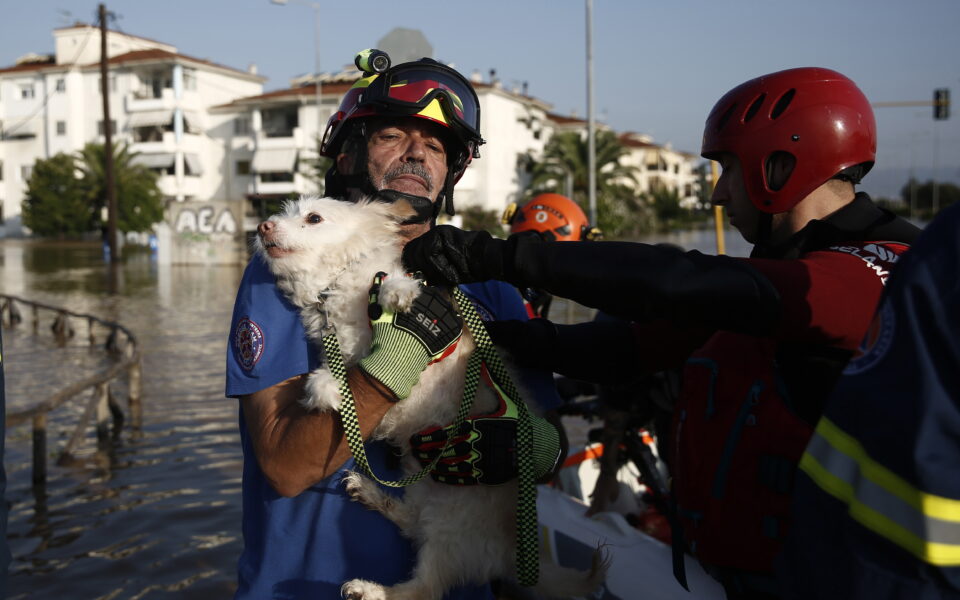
(314, 218)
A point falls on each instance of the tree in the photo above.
(56, 202)
(565, 159)
(475, 218)
(918, 197)
(139, 200)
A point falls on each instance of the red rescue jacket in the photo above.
(742, 420)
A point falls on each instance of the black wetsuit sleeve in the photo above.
(641, 282)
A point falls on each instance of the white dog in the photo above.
(321, 247)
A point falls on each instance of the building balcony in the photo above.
(138, 102)
(188, 143)
(279, 188)
(296, 139)
(135, 102)
(188, 188)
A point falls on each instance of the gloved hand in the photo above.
(484, 449)
(447, 255)
(404, 343)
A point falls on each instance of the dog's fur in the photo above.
(463, 534)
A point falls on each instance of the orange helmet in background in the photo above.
(560, 216)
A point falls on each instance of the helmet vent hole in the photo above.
(725, 117)
(754, 108)
(782, 103)
(779, 167)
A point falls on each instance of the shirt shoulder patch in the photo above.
(877, 256)
(247, 343)
(876, 342)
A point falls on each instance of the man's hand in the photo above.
(447, 255)
(404, 343)
(484, 449)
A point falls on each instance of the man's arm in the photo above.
(637, 282)
(297, 448)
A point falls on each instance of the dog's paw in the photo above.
(398, 293)
(323, 391)
(358, 589)
(362, 490)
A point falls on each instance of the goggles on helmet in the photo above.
(425, 89)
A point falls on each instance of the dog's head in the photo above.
(312, 235)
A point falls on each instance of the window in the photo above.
(241, 126)
(26, 91)
(276, 177)
(61, 128)
(25, 172)
(61, 85)
(243, 167)
(113, 126)
(281, 121)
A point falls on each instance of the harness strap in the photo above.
(527, 560)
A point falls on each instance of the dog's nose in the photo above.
(264, 227)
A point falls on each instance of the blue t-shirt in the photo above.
(309, 545)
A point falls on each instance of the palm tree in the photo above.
(565, 161)
(139, 200)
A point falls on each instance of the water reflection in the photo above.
(157, 514)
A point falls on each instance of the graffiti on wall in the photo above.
(205, 221)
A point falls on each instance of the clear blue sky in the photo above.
(659, 66)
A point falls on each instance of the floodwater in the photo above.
(158, 514)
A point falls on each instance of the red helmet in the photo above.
(818, 116)
(559, 215)
(424, 89)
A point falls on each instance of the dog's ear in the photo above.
(401, 210)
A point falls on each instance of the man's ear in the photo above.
(779, 168)
(345, 163)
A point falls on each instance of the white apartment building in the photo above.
(274, 140)
(223, 149)
(657, 166)
(663, 167)
(158, 104)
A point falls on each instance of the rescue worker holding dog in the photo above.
(405, 132)
(761, 340)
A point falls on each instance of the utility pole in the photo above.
(108, 142)
(591, 133)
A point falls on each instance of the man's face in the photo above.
(407, 155)
(731, 194)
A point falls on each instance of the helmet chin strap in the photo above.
(423, 208)
(764, 233)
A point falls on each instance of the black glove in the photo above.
(447, 255)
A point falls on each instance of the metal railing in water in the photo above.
(118, 341)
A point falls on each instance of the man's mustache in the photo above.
(409, 168)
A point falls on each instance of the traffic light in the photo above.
(941, 104)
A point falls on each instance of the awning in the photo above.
(274, 160)
(192, 163)
(154, 161)
(191, 122)
(151, 118)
